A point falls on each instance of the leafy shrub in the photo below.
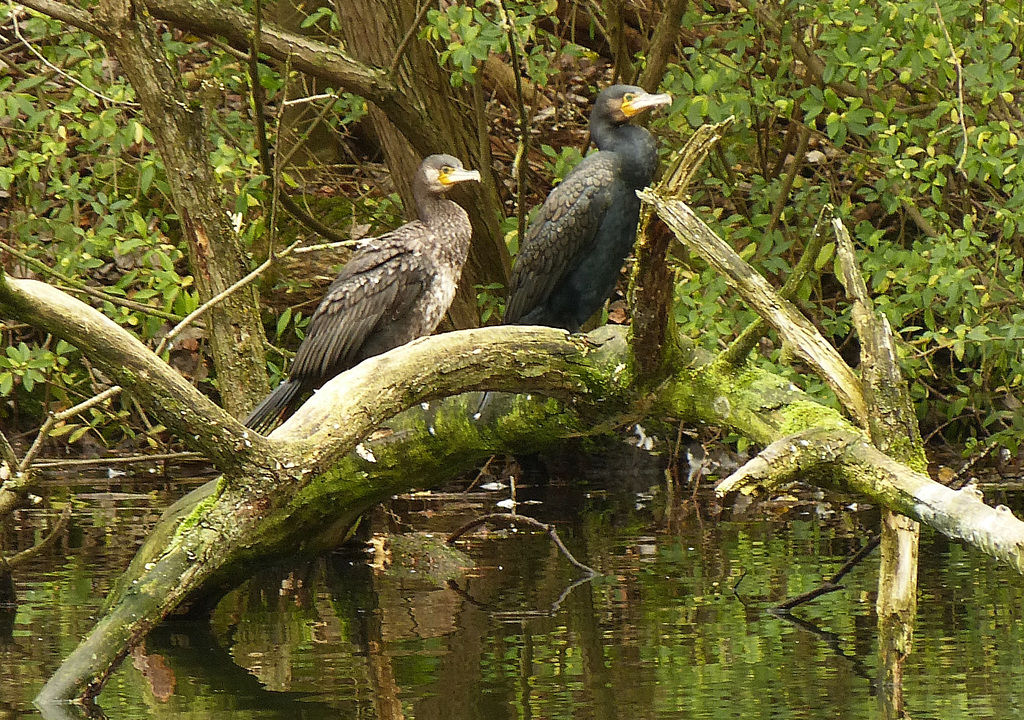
(931, 185)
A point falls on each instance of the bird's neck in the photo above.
(430, 206)
(634, 145)
(449, 225)
(609, 136)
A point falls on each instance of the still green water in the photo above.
(677, 625)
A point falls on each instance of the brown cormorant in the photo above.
(394, 289)
(570, 260)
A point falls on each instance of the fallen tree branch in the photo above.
(134, 367)
(739, 349)
(894, 430)
(846, 459)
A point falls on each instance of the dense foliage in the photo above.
(904, 116)
(913, 140)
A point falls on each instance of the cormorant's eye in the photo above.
(447, 170)
(628, 97)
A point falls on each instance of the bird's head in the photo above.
(619, 103)
(441, 172)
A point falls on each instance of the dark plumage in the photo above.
(394, 289)
(570, 260)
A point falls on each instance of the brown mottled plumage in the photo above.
(395, 288)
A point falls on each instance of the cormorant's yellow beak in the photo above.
(634, 104)
(451, 176)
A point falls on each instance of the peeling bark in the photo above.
(894, 430)
(804, 339)
(843, 457)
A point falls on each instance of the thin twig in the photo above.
(310, 98)
(959, 88)
(522, 145)
(54, 418)
(7, 454)
(110, 392)
(526, 520)
(58, 528)
(259, 121)
(328, 246)
(308, 220)
(787, 182)
(256, 88)
(37, 444)
(79, 286)
(128, 460)
(402, 46)
(301, 140)
(219, 297)
(962, 478)
(737, 352)
(258, 103)
(832, 584)
(596, 11)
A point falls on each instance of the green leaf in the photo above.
(283, 320)
(824, 255)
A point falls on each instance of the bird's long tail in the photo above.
(281, 402)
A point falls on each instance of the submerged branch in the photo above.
(25, 555)
(514, 517)
(832, 583)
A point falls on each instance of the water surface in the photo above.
(678, 624)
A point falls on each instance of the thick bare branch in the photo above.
(804, 339)
(162, 390)
(506, 358)
(305, 55)
(893, 422)
(651, 284)
(66, 13)
(846, 458)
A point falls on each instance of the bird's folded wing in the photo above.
(378, 284)
(563, 229)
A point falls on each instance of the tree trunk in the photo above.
(215, 254)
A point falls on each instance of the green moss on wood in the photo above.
(807, 414)
(199, 511)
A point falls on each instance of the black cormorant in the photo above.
(570, 260)
(394, 289)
